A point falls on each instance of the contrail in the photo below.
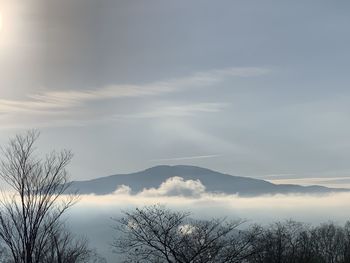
(187, 158)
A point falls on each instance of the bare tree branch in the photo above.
(32, 206)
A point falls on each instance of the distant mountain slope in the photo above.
(213, 181)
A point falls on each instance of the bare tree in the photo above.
(330, 243)
(64, 248)
(31, 207)
(294, 242)
(156, 234)
(283, 242)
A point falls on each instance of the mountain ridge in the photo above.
(214, 182)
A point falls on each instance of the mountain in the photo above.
(213, 181)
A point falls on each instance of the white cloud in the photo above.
(176, 186)
(122, 190)
(186, 229)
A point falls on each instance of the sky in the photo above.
(250, 88)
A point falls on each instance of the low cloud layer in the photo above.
(94, 212)
(308, 208)
(92, 215)
(191, 195)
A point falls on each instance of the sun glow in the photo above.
(13, 28)
(1, 22)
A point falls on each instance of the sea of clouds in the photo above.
(93, 215)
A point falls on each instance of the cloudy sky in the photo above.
(252, 88)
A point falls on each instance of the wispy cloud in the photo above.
(51, 100)
(63, 105)
(61, 100)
